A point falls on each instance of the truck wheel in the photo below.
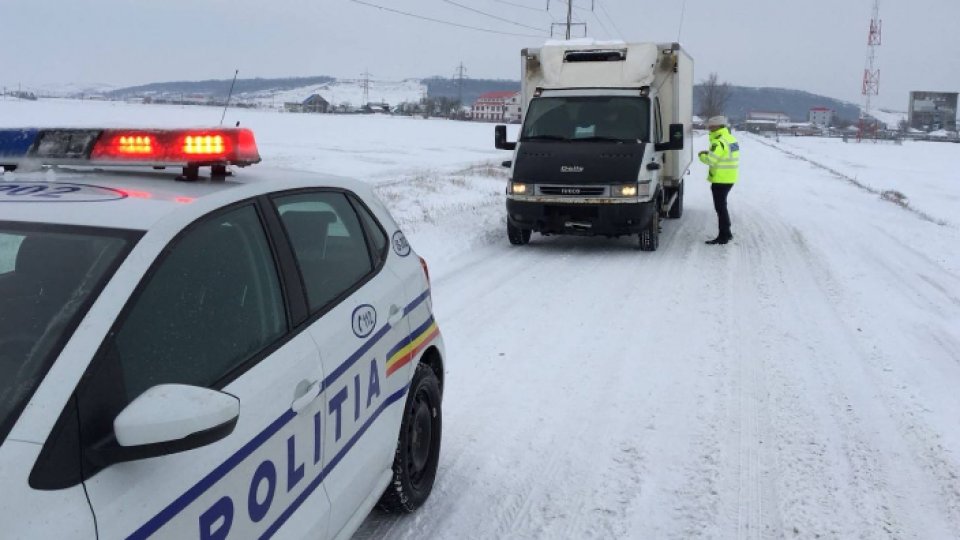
(650, 237)
(418, 446)
(518, 236)
(676, 211)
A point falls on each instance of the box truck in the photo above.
(605, 140)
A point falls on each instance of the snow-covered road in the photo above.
(800, 382)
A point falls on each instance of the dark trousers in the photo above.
(720, 192)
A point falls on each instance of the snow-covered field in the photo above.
(800, 382)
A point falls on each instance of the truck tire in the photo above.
(418, 445)
(518, 236)
(676, 211)
(650, 237)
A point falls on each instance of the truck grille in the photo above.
(573, 191)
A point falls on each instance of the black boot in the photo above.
(718, 240)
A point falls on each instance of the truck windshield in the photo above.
(49, 276)
(590, 118)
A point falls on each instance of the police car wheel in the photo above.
(518, 236)
(418, 447)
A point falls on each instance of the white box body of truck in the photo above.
(606, 140)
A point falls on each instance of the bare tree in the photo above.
(713, 96)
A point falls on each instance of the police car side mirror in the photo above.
(500, 138)
(171, 418)
(675, 142)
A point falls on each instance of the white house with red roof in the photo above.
(502, 106)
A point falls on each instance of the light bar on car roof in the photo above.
(187, 148)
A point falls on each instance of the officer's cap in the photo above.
(717, 121)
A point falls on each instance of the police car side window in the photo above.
(212, 303)
(328, 242)
(375, 234)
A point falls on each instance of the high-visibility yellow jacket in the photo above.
(723, 158)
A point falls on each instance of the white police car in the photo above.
(234, 357)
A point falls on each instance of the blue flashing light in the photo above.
(15, 143)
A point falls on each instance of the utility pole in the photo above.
(569, 24)
(871, 74)
(461, 70)
(366, 88)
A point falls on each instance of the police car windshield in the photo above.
(587, 118)
(49, 275)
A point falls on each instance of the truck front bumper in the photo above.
(600, 219)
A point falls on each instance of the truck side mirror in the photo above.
(676, 139)
(500, 138)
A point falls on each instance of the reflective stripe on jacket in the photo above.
(723, 158)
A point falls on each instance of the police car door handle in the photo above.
(306, 393)
(396, 314)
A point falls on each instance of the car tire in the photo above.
(676, 211)
(650, 237)
(518, 236)
(418, 446)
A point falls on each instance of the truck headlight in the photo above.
(518, 188)
(625, 190)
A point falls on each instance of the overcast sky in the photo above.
(813, 45)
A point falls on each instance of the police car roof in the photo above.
(138, 199)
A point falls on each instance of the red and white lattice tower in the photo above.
(871, 74)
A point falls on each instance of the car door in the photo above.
(359, 317)
(211, 313)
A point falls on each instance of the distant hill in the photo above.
(794, 103)
(743, 99)
(217, 89)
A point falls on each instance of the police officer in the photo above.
(723, 158)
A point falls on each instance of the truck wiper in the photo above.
(605, 139)
(544, 138)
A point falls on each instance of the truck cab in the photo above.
(601, 150)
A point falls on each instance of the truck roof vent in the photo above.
(603, 55)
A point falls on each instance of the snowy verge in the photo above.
(448, 214)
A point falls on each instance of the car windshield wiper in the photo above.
(544, 138)
(605, 139)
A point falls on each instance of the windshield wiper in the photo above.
(605, 139)
(544, 138)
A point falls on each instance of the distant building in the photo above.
(313, 104)
(932, 111)
(372, 107)
(758, 121)
(765, 116)
(820, 116)
(498, 107)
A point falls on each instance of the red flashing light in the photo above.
(126, 145)
(184, 200)
(204, 144)
(177, 147)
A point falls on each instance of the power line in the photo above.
(606, 31)
(440, 21)
(518, 5)
(485, 14)
(604, 11)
